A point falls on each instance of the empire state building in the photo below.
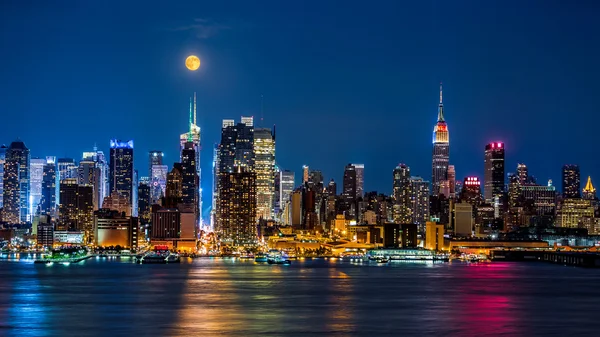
(441, 150)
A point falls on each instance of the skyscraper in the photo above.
(194, 136)
(264, 165)
(189, 187)
(420, 201)
(66, 168)
(451, 181)
(121, 169)
(158, 181)
(16, 183)
(48, 202)
(360, 179)
(76, 210)
(237, 209)
(441, 150)
(154, 158)
(286, 186)
(235, 175)
(101, 175)
(349, 190)
(332, 188)
(571, 181)
(471, 191)
(2, 160)
(403, 204)
(522, 174)
(493, 170)
(144, 201)
(90, 174)
(36, 178)
(305, 173)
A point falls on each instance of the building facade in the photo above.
(571, 181)
(420, 201)
(441, 150)
(264, 165)
(403, 204)
(16, 183)
(493, 177)
(237, 209)
(121, 168)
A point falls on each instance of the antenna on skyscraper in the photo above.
(195, 109)
(190, 132)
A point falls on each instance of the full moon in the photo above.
(192, 62)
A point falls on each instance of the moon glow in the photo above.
(192, 62)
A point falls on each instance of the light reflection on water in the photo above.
(206, 297)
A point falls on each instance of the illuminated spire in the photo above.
(191, 125)
(195, 108)
(441, 107)
(589, 187)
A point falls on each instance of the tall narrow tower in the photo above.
(193, 135)
(441, 150)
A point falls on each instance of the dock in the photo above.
(577, 259)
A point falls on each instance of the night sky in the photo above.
(350, 81)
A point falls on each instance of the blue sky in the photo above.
(343, 81)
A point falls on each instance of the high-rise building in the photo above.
(121, 169)
(237, 209)
(543, 198)
(194, 136)
(189, 187)
(493, 178)
(571, 181)
(349, 191)
(174, 189)
(76, 207)
(522, 174)
(452, 181)
(157, 174)
(264, 165)
(589, 192)
(420, 201)
(90, 174)
(441, 150)
(236, 150)
(402, 186)
(158, 181)
(305, 174)
(100, 176)
(2, 160)
(471, 191)
(144, 201)
(286, 187)
(463, 219)
(215, 184)
(66, 168)
(332, 188)
(48, 202)
(315, 180)
(574, 213)
(154, 158)
(36, 177)
(360, 179)
(16, 183)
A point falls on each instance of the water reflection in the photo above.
(207, 297)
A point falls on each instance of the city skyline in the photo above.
(405, 99)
